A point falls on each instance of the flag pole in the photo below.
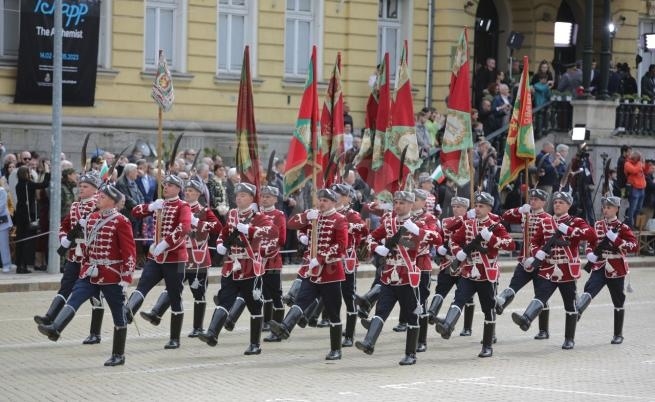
(472, 171)
(159, 169)
(526, 226)
(313, 252)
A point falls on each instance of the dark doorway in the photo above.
(564, 55)
(485, 46)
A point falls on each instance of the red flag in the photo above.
(364, 158)
(332, 131)
(519, 149)
(247, 157)
(457, 137)
(304, 156)
(403, 131)
(382, 124)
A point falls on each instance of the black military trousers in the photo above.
(466, 288)
(597, 280)
(85, 290)
(329, 292)
(544, 289)
(521, 277)
(197, 280)
(68, 279)
(173, 275)
(231, 289)
(348, 292)
(445, 282)
(405, 295)
(272, 288)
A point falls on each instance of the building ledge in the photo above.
(107, 73)
(177, 76)
(234, 79)
(299, 83)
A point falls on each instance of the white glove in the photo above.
(442, 250)
(471, 213)
(437, 209)
(312, 214)
(304, 239)
(591, 257)
(220, 249)
(254, 207)
(611, 235)
(540, 255)
(124, 285)
(563, 227)
(486, 234)
(82, 222)
(382, 251)
(194, 221)
(525, 209)
(156, 205)
(313, 263)
(411, 227)
(461, 255)
(243, 228)
(160, 248)
(65, 243)
(527, 263)
(222, 209)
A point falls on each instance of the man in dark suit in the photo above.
(146, 183)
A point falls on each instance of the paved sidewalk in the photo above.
(12, 282)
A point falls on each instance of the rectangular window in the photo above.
(9, 29)
(233, 34)
(389, 30)
(299, 37)
(164, 30)
(104, 34)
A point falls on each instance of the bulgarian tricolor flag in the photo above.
(332, 131)
(438, 175)
(382, 124)
(457, 137)
(364, 158)
(519, 149)
(247, 156)
(304, 156)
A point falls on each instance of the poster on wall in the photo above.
(81, 21)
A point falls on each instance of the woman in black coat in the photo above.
(26, 201)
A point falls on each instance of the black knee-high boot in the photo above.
(210, 337)
(446, 327)
(368, 344)
(277, 315)
(469, 310)
(434, 308)
(544, 318)
(235, 312)
(335, 342)
(268, 314)
(176, 329)
(53, 331)
(569, 330)
(283, 329)
(410, 346)
(365, 303)
(55, 307)
(531, 312)
(255, 336)
(158, 309)
(582, 303)
(487, 339)
(351, 322)
(199, 307)
(504, 299)
(118, 348)
(422, 345)
(290, 298)
(132, 306)
(619, 315)
(97, 313)
(309, 312)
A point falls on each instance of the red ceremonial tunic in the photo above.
(613, 261)
(481, 266)
(563, 263)
(175, 225)
(448, 227)
(332, 243)
(514, 216)
(79, 210)
(357, 231)
(197, 246)
(401, 260)
(273, 246)
(109, 247)
(431, 237)
(247, 252)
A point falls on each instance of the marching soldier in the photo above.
(166, 259)
(522, 273)
(475, 246)
(70, 236)
(272, 287)
(203, 224)
(243, 242)
(607, 262)
(555, 244)
(426, 221)
(108, 264)
(397, 238)
(325, 270)
(357, 231)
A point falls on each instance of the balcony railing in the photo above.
(636, 118)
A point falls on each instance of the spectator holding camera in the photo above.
(635, 173)
(25, 217)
